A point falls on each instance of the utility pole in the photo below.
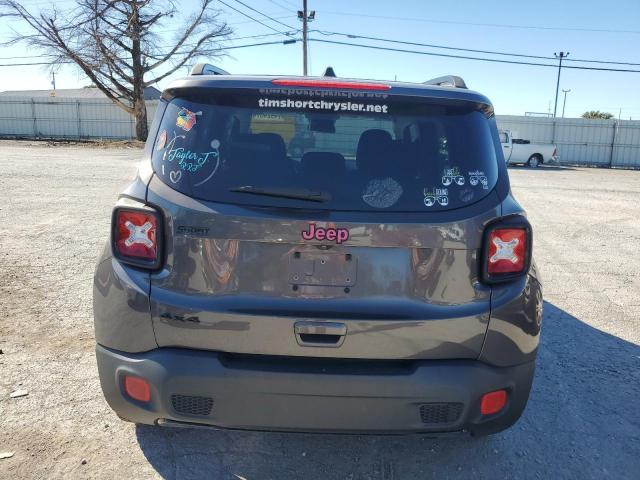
(305, 18)
(559, 57)
(53, 84)
(564, 104)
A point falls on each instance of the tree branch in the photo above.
(115, 43)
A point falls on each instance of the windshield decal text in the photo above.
(322, 105)
(303, 92)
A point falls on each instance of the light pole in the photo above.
(305, 16)
(564, 104)
(559, 57)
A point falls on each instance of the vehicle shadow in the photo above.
(582, 421)
(546, 168)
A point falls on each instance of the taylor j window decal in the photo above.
(190, 161)
(215, 156)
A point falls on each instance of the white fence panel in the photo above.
(16, 117)
(54, 118)
(51, 117)
(627, 149)
(581, 141)
(532, 128)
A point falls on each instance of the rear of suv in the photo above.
(320, 255)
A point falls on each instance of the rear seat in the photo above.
(322, 169)
(258, 158)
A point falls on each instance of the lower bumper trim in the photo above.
(294, 399)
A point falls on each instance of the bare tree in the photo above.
(118, 44)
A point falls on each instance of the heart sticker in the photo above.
(175, 176)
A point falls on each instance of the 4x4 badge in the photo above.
(337, 235)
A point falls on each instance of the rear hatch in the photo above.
(323, 222)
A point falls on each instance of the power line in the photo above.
(496, 25)
(246, 37)
(279, 42)
(240, 22)
(355, 36)
(464, 57)
(284, 7)
(249, 16)
(601, 61)
(402, 42)
(164, 30)
(490, 52)
(327, 33)
(265, 15)
(417, 44)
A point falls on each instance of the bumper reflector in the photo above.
(493, 402)
(137, 388)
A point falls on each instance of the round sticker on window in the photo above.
(382, 193)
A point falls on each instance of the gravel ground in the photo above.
(582, 421)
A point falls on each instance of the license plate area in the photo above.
(322, 269)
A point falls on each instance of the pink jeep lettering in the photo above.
(338, 235)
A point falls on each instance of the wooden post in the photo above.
(33, 116)
(613, 142)
(78, 119)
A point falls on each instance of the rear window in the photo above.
(304, 149)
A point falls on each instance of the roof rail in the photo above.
(447, 81)
(207, 69)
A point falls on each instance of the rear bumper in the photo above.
(312, 395)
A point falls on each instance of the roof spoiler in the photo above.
(447, 81)
(207, 69)
(329, 72)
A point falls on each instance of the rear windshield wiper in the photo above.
(293, 193)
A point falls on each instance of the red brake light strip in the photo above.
(330, 84)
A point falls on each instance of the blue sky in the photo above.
(588, 29)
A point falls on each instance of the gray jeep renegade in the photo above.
(319, 254)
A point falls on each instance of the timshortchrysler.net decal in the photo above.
(322, 105)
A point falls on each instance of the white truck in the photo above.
(522, 151)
